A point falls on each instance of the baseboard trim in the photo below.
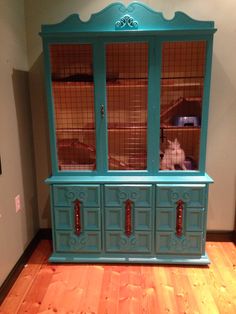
(46, 233)
(221, 236)
(14, 273)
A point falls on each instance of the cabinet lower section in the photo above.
(129, 223)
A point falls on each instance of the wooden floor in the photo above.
(110, 289)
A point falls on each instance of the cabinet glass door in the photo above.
(73, 97)
(127, 98)
(182, 82)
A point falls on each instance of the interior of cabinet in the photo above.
(181, 86)
(73, 95)
(182, 82)
(127, 99)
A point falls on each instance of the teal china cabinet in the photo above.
(128, 97)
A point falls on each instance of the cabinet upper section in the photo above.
(128, 92)
(135, 17)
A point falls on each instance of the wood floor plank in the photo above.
(200, 288)
(109, 298)
(66, 290)
(38, 289)
(153, 298)
(185, 298)
(130, 290)
(25, 280)
(46, 288)
(221, 279)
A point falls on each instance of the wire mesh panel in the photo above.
(73, 94)
(127, 73)
(182, 80)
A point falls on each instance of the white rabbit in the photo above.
(174, 155)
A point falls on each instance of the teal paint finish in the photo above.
(145, 18)
(88, 241)
(139, 242)
(51, 113)
(195, 219)
(127, 259)
(66, 240)
(116, 195)
(100, 100)
(153, 107)
(192, 195)
(169, 243)
(165, 219)
(192, 239)
(88, 195)
(63, 218)
(129, 179)
(141, 237)
(206, 99)
(153, 193)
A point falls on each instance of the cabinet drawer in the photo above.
(168, 242)
(65, 218)
(141, 219)
(67, 241)
(193, 219)
(65, 195)
(116, 195)
(193, 195)
(140, 241)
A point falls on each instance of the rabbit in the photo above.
(174, 155)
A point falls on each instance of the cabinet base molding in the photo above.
(202, 260)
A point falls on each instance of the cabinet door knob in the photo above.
(102, 111)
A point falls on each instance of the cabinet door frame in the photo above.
(50, 101)
(152, 107)
(153, 110)
(205, 99)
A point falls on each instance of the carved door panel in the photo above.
(77, 218)
(180, 216)
(128, 218)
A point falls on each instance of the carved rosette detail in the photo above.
(126, 22)
(128, 243)
(78, 243)
(70, 194)
(179, 244)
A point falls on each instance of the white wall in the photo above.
(16, 140)
(221, 150)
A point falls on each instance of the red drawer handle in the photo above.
(179, 218)
(77, 209)
(128, 218)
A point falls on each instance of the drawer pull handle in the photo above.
(102, 111)
(179, 218)
(128, 218)
(77, 208)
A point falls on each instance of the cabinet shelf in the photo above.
(181, 129)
